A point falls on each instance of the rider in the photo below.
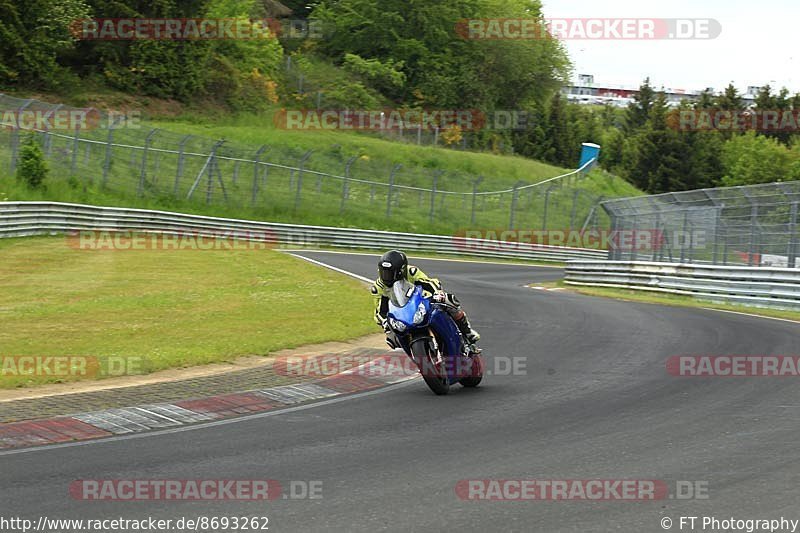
(393, 266)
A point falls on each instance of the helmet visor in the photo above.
(388, 273)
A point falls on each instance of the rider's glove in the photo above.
(385, 325)
(439, 297)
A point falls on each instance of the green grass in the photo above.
(272, 194)
(672, 299)
(170, 308)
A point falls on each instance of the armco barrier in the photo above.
(758, 286)
(41, 218)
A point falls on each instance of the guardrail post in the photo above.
(391, 188)
(475, 185)
(143, 172)
(346, 183)
(181, 162)
(300, 168)
(793, 236)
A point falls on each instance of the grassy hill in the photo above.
(239, 188)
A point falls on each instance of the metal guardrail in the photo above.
(757, 286)
(41, 218)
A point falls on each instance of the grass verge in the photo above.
(671, 299)
(164, 309)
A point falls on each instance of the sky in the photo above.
(758, 44)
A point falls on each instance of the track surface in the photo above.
(596, 402)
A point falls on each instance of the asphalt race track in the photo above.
(594, 402)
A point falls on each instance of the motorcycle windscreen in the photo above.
(403, 301)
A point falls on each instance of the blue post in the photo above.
(589, 151)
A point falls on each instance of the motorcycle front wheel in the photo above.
(433, 374)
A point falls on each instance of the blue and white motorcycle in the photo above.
(427, 333)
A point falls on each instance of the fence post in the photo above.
(793, 236)
(657, 245)
(753, 225)
(433, 194)
(319, 176)
(612, 251)
(574, 208)
(109, 144)
(256, 162)
(300, 168)
(15, 136)
(391, 189)
(683, 232)
(206, 166)
(346, 183)
(48, 138)
(181, 162)
(513, 208)
(546, 205)
(717, 222)
(474, 198)
(143, 171)
(75, 143)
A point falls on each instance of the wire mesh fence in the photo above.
(752, 225)
(109, 153)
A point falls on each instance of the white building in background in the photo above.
(586, 91)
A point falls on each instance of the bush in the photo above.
(32, 168)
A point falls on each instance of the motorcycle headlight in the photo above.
(419, 316)
(397, 325)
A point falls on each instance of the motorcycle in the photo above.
(430, 337)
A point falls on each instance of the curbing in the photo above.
(149, 417)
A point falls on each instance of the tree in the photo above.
(750, 158)
(730, 99)
(32, 35)
(442, 68)
(639, 110)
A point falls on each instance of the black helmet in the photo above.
(392, 267)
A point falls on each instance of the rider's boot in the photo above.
(464, 326)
